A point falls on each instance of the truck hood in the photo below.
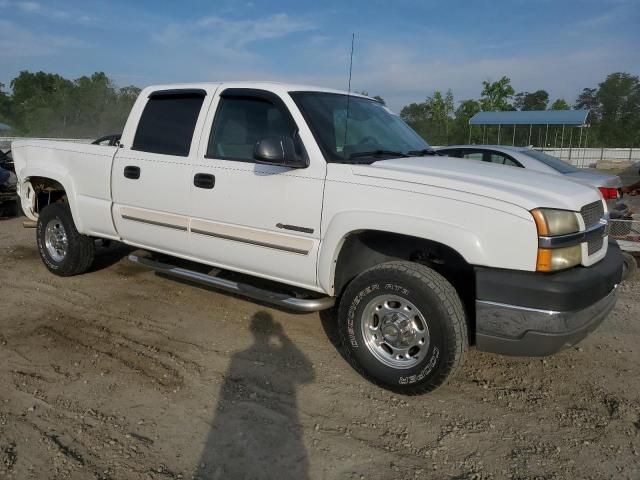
(459, 177)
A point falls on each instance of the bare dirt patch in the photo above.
(120, 373)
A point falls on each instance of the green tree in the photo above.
(588, 100)
(464, 112)
(560, 104)
(5, 104)
(436, 105)
(619, 99)
(527, 101)
(40, 101)
(45, 104)
(496, 95)
(375, 97)
(418, 116)
(433, 118)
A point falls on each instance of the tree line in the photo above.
(48, 105)
(614, 119)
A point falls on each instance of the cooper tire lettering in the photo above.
(408, 293)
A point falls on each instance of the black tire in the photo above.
(440, 307)
(80, 248)
(629, 266)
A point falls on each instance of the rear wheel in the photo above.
(403, 326)
(62, 248)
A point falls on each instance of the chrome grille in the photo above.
(592, 213)
(594, 245)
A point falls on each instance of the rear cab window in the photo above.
(168, 121)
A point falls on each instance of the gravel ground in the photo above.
(120, 373)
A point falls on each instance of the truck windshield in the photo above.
(369, 133)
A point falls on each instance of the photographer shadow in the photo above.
(256, 432)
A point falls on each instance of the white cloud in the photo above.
(28, 6)
(230, 37)
(35, 8)
(404, 76)
(18, 42)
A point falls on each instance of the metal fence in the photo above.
(600, 157)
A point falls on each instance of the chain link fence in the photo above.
(596, 157)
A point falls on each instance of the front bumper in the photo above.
(549, 311)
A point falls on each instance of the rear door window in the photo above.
(502, 159)
(168, 122)
(472, 155)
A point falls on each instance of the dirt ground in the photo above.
(123, 374)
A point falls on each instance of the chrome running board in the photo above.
(255, 293)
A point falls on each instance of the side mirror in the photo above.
(279, 151)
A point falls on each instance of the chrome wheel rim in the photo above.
(395, 331)
(55, 240)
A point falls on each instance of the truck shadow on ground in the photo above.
(256, 432)
(105, 257)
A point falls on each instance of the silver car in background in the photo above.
(531, 159)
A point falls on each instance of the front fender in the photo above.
(507, 241)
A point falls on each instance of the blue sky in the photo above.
(405, 49)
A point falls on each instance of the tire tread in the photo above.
(81, 253)
(458, 341)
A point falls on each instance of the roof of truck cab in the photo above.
(262, 85)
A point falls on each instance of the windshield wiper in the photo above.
(423, 152)
(378, 153)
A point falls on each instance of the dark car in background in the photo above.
(8, 181)
(108, 140)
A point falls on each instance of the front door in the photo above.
(258, 219)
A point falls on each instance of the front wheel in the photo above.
(403, 326)
(62, 248)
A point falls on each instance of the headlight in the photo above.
(553, 223)
(552, 259)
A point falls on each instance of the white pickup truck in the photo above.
(306, 197)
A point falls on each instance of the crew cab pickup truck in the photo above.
(307, 198)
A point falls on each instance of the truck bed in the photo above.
(83, 170)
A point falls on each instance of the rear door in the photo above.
(151, 176)
(249, 217)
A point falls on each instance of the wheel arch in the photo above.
(364, 249)
(41, 188)
(345, 227)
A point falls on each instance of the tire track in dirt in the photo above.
(118, 349)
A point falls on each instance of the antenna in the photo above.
(346, 121)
